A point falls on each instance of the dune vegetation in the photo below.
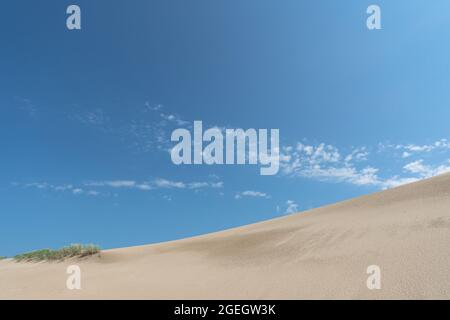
(72, 251)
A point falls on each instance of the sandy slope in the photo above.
(322, 253)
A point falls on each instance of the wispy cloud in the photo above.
(152, 107)
(96, 118)
(159, 183)
(168, 184)
(124, 184)
(78, 191)
(150, 130)
(92, 187)
(164, 183)
(27, 106)
(396, 181)
(292, 207)
(113, 184)
(72, 189)
(200, 185)
(410, 149)
(252, 194)
(427, 171)
(174, 119)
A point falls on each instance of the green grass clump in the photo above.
(2, 258)
(72, 251)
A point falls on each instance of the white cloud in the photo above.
(121, 184)
(366, 176)
(152, 107)
(112, 184)
(77, 191)
(38, 185)
(409, 149)
(426, 171)
(144, 187)
(292, 207)
(64, 187)
(342, 174)
(173, 118)
(406, 154)
(358, 154)
(217, 184)
(417, 167)
(253, 194)
(159, 183)
(396, 181)
(324, 162)
(164, 183)
(199, 185)
(59, 188)
(319, 154)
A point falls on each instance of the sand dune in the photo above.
(322, 253)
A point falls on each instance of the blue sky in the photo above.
(86, 116)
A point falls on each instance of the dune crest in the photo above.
(321, 253)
